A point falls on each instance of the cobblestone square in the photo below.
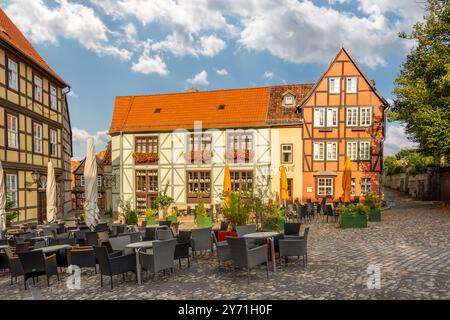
(411, 246)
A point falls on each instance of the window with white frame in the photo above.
(37, 88)
(13, 75)
(332, 150)
(352, 84)
(332, 117)
(53, 98)
(325, 186)
(352, 116)
(352, 150)
(11, 189)
(334, 85)
(13, 131)
(288, 100)
(319, 151)
(37, 137)
(364, 150)
(82, 180)
(319, 117)
(366, 185)
(365, 116)
(99, 181)
(353, 190)
(53, 143)
(286, 153)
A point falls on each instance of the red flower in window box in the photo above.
(203, 156)
(144, 157)
(240, 154)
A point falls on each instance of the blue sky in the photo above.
(105, 48)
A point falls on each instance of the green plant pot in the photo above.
(204, 222)
(151, 220)
(280, 223)
(171, 218)
(375, 214)
(356, 221)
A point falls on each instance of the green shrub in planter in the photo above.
(202, 218)
(373, 202)
(280, 223)
(132, 218)
(150, 216)
(204, 222)
(353, 216)
(273, 218)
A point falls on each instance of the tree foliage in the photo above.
(422, 88)
(407, 159)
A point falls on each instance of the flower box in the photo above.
(151, 220)
(375, 214)
(204, 222)
(143, 157)
(239, 155)
(198, 156)
(353, 221)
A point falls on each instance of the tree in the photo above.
(163, 201)
(422, 88)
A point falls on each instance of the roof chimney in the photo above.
(192, 89)
(372, 82)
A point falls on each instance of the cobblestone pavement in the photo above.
(411, 246)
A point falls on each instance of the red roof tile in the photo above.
(11, 34)
(247, 107)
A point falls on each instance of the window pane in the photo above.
(332, 117)
(13, 75)
(332, 150)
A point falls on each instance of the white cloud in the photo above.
(396, 139)
(148, 64)
(200, 78)
(74, 21)
(211, 45)
(80, 136)
(268, 75)
(222, 72)
(72, 94)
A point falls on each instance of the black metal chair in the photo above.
(113, 266)
(34, 265)
(83, 257)
(165, 223)
(150, 234)
(297, 246)
(23, 247)
(101, 227)
(160, 258)
(292, 229)
(91, 238)
(182, 247)
(201, 239)
(245, 257)
(14, 264)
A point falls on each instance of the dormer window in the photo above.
(288, 99)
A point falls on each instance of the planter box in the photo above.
(358, 221)
(203, 222)
(151, 220)
(171, 218)
(222, 235)
(375, 214)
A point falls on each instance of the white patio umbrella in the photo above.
(2, 203)
(90, 185)
(51, 193)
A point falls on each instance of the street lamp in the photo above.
(35, 176)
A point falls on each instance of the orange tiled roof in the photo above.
(11, 34)
(247, 107)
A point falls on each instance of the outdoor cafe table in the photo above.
(137, 246)
(53, 248)
(266, 235)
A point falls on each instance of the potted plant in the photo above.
(238, 211)
(173, 216)
(163, 201)
(11, 213)
(203, 220)
(353, 216)
(129, 216)
(144, 157)
(273, 218)
(150, 216)
(373, 201)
